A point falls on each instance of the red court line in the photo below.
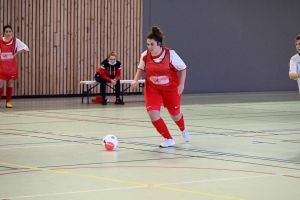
(157, 167)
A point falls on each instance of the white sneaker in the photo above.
(167, 143)
(185, 135)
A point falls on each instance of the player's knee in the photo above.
(174, 112)
(153, 109)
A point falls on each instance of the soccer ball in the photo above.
(110, 142)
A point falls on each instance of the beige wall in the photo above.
(69, 39)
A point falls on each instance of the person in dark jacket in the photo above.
(110, 72)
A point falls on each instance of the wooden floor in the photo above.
(243, 146)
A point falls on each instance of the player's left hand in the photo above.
(180, 88)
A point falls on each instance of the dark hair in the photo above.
(157, 35)
(7, 26)
(298, 38)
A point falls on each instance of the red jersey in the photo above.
(8, 62)
(162, 75)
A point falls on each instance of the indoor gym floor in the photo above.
(243, 146)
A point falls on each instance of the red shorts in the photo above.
(154, 99)
(7, 77)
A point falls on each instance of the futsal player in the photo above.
(162, 84)
(9, 48)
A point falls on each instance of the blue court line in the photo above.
(189, 149)
(221, 153)
(212, 133)
(179, 148)
(281, 130)
(30, 143)
(159, 136)
(257, 131)
(259, 142)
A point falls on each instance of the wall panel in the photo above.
(229, 45)
(69, 39)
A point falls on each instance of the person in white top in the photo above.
(162, 84)
(295, 64)
(9, 48)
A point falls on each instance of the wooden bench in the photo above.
(91, 84)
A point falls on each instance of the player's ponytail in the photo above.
(157, 35)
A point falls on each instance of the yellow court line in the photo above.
(121, 181)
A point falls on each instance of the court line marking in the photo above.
(219, 153)
(123, 188)
(66, 193)
(188, 182)
(42, 146)
(122, 181)
(207, 151)
(87, 141)
(142, 107)
(59, 110)
(231, 125)
(228, 179)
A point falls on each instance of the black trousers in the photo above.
(103, 88)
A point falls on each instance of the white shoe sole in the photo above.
(170, 145)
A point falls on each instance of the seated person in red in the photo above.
(110, 71)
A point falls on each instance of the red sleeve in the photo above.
(98, 71)
(103, 75)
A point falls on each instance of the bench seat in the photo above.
(91, 84)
